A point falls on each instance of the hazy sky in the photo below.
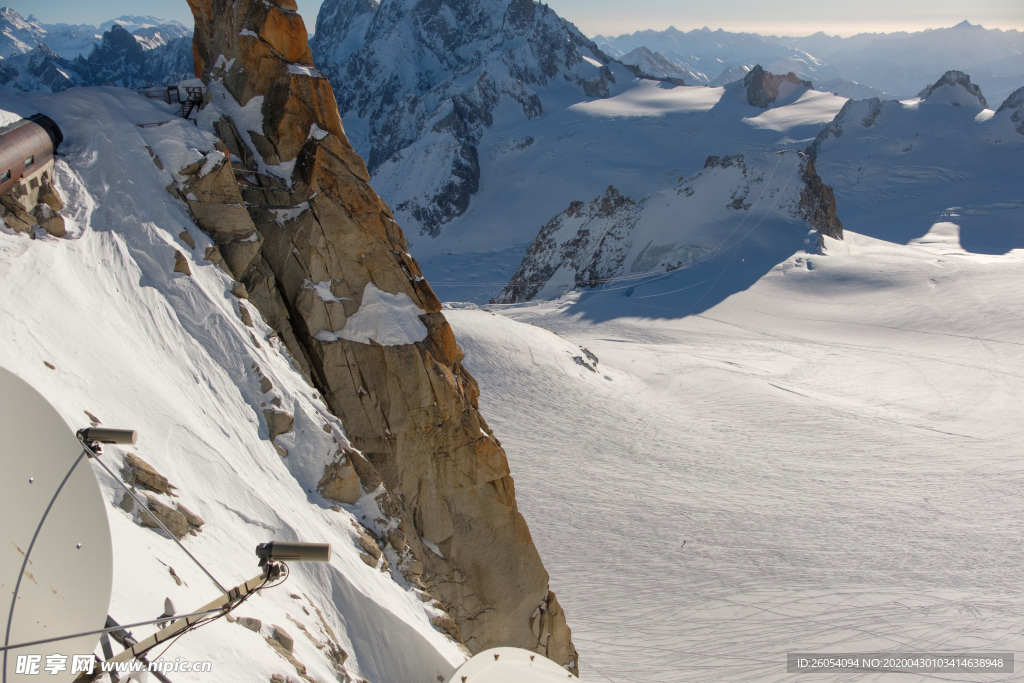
(612, 17)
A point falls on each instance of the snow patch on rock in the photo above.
(387, 319)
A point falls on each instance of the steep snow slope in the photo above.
(829, 460)
(139, 345)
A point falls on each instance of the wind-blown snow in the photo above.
(653, 98)
(140, 346)
(810, 108)
(383, 318)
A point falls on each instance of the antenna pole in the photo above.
(225, 603)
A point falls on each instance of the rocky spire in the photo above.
(325, 258)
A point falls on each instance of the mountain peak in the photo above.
(765, 88)
(954, 88)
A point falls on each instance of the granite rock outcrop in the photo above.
(324, 255)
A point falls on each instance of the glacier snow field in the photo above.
(829, 460)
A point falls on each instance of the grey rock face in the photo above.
(595, 251)
(616, 239)
(120, 60)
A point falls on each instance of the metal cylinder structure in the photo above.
(26, 147)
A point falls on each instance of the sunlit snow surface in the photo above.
(831, 460)
(652, 98)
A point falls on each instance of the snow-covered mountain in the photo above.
(19, 35)
(897, 168)
(120, 58)
(618, 242)
(894, 63)
(128, 51)
(707, 55)
(478, 136)
(419, 84)
(647, 141)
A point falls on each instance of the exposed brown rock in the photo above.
(138, 472)
(446, 624)
(283, 637)
(818, 204)
(411, 409)
(250, 623)
(278, 422)
(194, 520)
(340, 481)
(181, 263)
(174, 520)
(49, 220)
(245, 316)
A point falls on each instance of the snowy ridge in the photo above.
(616, 242)
(101, 322)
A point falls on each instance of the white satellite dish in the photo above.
(56, 564)
(510, 665)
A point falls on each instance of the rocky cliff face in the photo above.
(765, 88)
(818, 204)
(423, 79)
(591, 240)
(322, 258)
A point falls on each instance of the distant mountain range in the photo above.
(864, 65)
(130, 51)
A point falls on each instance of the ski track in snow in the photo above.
(793, 470)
